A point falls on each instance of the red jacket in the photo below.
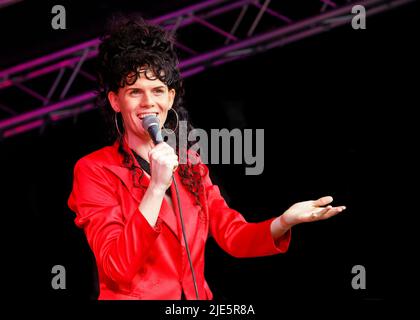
(138, 261)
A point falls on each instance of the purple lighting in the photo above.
(23, 128)
(53, 56)
(45, 110)
(205, 14)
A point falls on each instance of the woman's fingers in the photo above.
(163, 157)
(323, 201)
(332, 212)
(163, 162)
(327, 212)
(162, 153)
(161, 148)
(319, 212)
(167, 160)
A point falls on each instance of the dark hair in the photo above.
(129, 44)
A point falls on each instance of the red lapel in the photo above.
(125, 176)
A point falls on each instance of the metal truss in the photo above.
(60, 85)
(5, 3)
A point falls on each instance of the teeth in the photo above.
(141, 116)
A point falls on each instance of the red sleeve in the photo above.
(120, 246)
(234, 234)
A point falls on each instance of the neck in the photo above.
(141, 145)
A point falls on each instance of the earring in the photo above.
(177, 122)
(116, 123)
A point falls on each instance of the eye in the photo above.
(134, 92)
(159, 91)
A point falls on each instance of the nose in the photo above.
(147, 100)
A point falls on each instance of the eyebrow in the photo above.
(153, 88)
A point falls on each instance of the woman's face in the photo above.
(142, 98)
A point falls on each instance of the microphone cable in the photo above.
(151, 125)
(185, 238)
(146, 166)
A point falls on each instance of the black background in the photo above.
(333, 108)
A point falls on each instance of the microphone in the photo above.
(151, 124)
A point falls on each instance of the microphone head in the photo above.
(150, 120)
(151, 124)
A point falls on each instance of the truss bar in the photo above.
(185, 48)
(233, 57)
(6, 83)
(336, 21)
(258, 18)
(226, 8)
(87, 75)
(73, 75)
(45, 110)
(45, 70)
(214, 28)
(273, 34)
(42, 122)
(7, 109)
(387, 6)
(176, 25)
(329, 3)
(296, 37)
(6, 74)
(54, 86)
(31, 92)
(274, 13)
(63, 114)
(237, 22)
(238, 50)
(187, 10)
(23, 128)
(53, 56)
(5, 3)
(193, 71)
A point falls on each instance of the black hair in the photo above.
(129, 46)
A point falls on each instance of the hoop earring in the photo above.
(177, 122)
(116, 123)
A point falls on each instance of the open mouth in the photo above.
(144, 114)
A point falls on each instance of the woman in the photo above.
(147, 233)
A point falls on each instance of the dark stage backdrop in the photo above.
(328, 105)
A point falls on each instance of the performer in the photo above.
(147, 232)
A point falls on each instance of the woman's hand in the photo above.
(308, 211)
(163, 162)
